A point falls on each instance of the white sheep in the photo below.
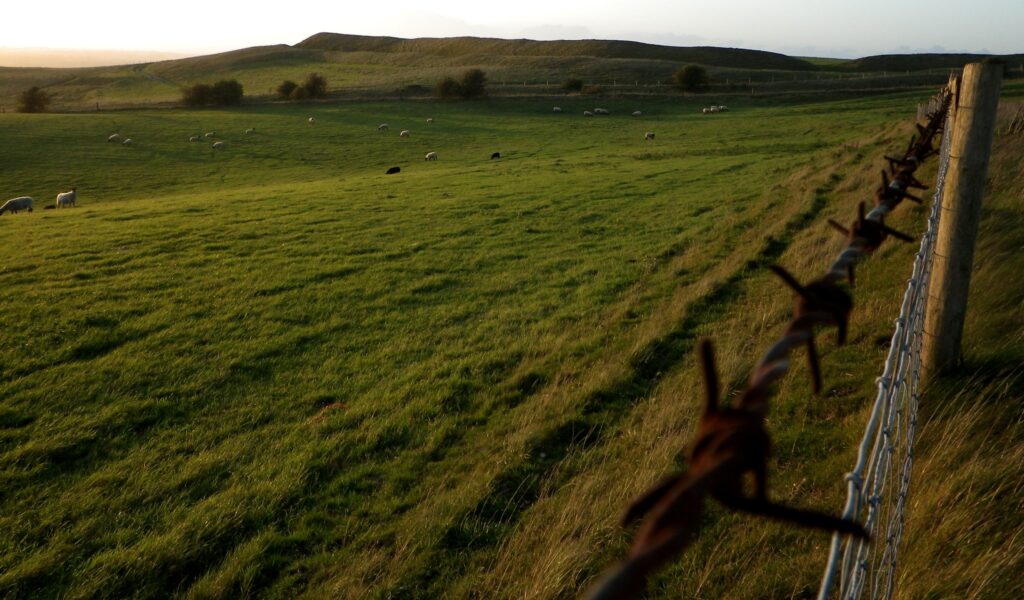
(127, 142)
(723, 108)
(217, 145)
(404, 133)
(250, 130)
(557, 109)
(587, 113)
(114, 137)
(311, 120)
(16, 204)
(600, 111)
(66, 199)
(637, 113)
(649, 135)
(210, 134)
(430, 120)
(383, 127)
(431, 156)
(194, 138)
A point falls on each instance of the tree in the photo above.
(316, 85)
(33, 100)
(572, 85)
(691, 78)
(473, 82)
(226, 92)
(299, 93)
(286, 88)
(448, 88)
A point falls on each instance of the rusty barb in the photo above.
(731, 441)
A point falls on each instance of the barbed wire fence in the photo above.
(723, 451)
(878, 486)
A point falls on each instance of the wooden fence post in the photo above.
(972, 128)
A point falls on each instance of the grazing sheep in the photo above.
(496, 155)
(431, 156)
(430, 120)
(127, 142)
(404, 133)
(311, 120)
(649, 135)
(393, 170)
(706, 111)
(194, 138)
(383, 127)
(600, 111)
(66, 199)
(16, 204)
(210, 134)
(556, 109)
(637, 113)
(114, 137)
(723, 108)
(250, 130)
(217, 145)
(587, 113)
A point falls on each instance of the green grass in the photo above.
(275, 371)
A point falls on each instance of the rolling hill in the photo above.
(467, 46)
(920, 62)
(374, 67)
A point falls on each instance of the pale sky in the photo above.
(797, 27)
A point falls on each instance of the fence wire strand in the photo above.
(878, 486)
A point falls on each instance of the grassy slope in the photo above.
(472, 46)
(509, 341)
(377, 63)
(262, 69)
(381, 65)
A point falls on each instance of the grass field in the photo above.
(275, 371)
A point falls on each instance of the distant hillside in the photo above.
(465, 46)
(920, 62)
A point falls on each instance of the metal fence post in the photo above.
(971, 130)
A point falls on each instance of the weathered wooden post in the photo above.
(972, 128)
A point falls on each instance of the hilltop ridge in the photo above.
(464, 46)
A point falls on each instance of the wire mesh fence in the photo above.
(878, 486)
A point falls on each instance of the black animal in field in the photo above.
(393, 170)
(496, 155)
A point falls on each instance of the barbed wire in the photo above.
(732, 441)
(888, 439)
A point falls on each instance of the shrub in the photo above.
(299, 93)
(227, 92)
(197, 95)
(691, 78)
(572, 85)
(473, 84)
(448, 88)
(33, 100)
(316, 85)
(286, 88)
